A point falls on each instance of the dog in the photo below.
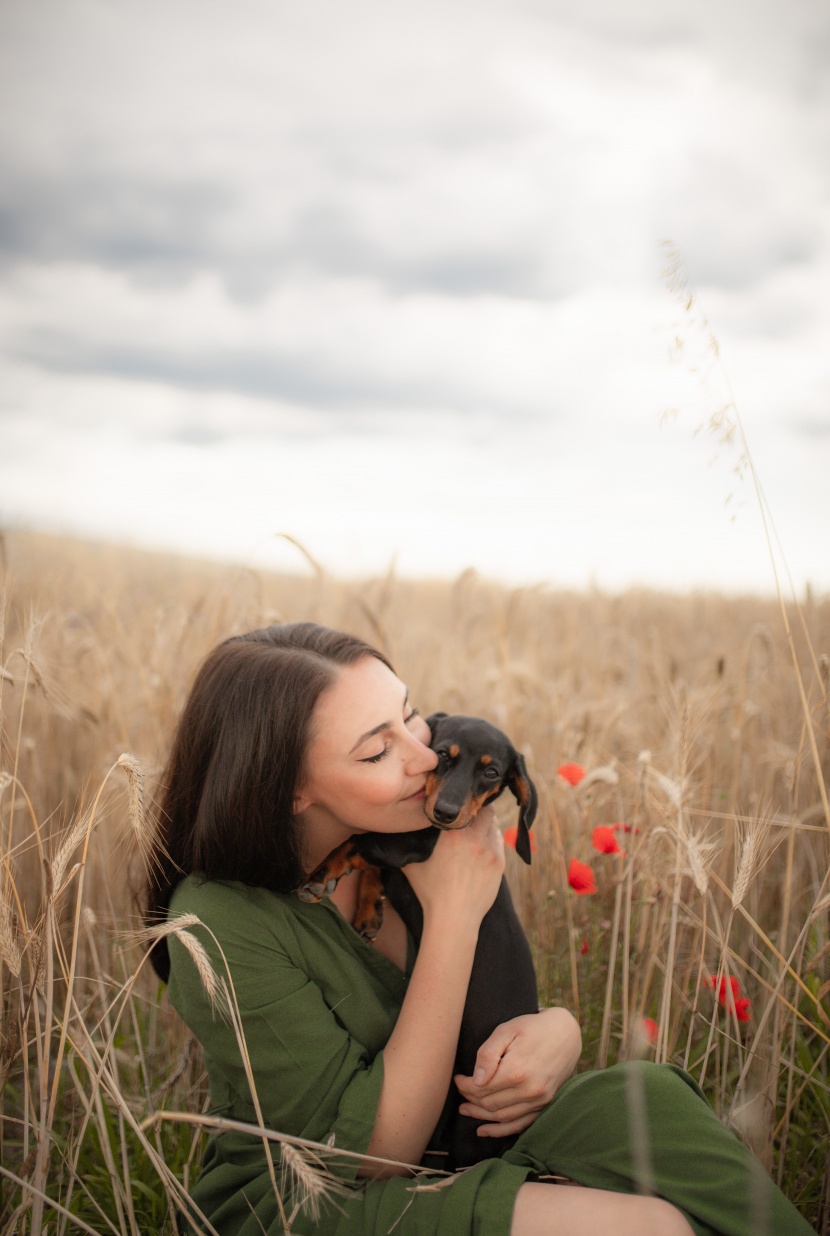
(476, 763)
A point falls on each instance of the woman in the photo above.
(294, 738)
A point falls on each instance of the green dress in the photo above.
(318, 1004)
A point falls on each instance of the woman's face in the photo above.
(368, 757)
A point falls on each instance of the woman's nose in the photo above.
(422, 758)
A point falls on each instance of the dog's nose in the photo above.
(443, 816)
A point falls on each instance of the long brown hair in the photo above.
(226, 806)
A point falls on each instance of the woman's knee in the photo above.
(666, 1219)
(573, 1210)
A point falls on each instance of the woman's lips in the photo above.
(418, 794)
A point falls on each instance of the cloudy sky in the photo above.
(388, 278)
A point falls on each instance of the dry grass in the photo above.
(695, 732)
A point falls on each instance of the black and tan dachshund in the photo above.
(476, 762)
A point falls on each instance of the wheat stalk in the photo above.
(79, 832)
(307, 1180)
(178, 927)
(750, 854)
(9, 948)
(700, 854)
(139, 820)
(204, 969)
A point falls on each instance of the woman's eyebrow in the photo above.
(378, 729)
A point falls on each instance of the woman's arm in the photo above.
(456, 887)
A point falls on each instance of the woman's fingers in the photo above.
(506, 1130)
(503, 1114)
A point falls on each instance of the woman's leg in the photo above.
(642, 1128)
(548, 1210)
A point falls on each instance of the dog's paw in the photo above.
(368, 928)
(367, 921)
(314, 890)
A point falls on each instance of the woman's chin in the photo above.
(414, 819)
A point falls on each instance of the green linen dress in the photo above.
(317, 1006)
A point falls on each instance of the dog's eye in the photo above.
(444, 755)
(491, 773)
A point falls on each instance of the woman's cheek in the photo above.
(385, 791)
(372, 791)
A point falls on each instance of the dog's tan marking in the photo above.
(369, 910)
(324, 879)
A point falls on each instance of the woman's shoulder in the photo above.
(212, 900)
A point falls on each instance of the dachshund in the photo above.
(476, 762)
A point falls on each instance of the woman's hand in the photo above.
(461, 877)
(519, 1069)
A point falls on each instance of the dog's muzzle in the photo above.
(444, 819)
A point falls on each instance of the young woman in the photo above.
(294, 738)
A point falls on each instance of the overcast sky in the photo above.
(387, 278)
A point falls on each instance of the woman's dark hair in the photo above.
(226, 805)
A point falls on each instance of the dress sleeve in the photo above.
(313, 1078)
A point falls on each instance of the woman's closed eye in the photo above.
(375, 759)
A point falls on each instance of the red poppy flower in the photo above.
(572, 773)
(742, 1008)
(581, 877)
(628, 828)
(728, 993)
(511, 836)
(723, 986)
(605, 841)
(649, 1029)
(584, 947)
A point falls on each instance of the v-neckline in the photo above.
(377, 961)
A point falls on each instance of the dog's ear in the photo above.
(432, 722)
(525, 793)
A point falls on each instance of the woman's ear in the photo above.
(301, 801)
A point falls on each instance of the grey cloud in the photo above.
(812, 427)
(333, 239)
(154, 229)
(739, 225)
(276, 375)
(111, 219)
(195, 433)
(313, 167)
(784, 45)
(115, 178)
(642, 24)
(722, 256)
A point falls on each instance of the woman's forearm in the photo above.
(456, 887)
(418, 1058)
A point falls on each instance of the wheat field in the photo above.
(698, 733)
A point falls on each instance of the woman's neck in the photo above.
(321, 833)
